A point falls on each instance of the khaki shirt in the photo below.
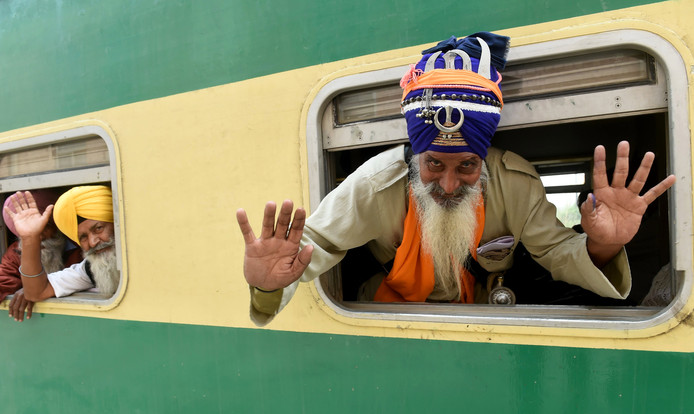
(369, 207)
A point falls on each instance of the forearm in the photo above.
(34, 278)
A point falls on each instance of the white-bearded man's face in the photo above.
(448, 223)
(103, 265)
(98, 248)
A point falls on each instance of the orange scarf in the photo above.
(412, 277)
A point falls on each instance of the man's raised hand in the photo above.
(274, 260)
(28, 221)
(611, 216)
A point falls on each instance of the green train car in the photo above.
(192, 109)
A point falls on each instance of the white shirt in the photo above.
(70, 280)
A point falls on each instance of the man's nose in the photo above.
(449, 182)
(94, 240)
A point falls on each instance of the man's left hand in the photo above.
(612, 214)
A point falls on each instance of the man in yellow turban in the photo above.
(85, 215)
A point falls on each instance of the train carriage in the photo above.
(190, 110)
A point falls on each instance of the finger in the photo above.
(599, 169)
(268, 228)
(13, 306)
(21, 201)
(9, 211)
(303, 259)
(30, 202)
(283, 219)
(15, 203)
(589, 205)
(637, 183)
(621, 168)
(658, 189)
(20, 310)
(30, 309)
(245, 226)
(297, 226)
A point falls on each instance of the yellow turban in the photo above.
(92, 202)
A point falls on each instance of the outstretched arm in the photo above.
(274, 260)
(29, 223)
(612, 214)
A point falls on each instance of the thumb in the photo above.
(303, 259)
(47, 212)
(589, 205)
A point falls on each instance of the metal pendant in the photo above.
(501, 295)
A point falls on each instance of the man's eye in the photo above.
(467, 167)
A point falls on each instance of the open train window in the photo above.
(60, 161)
(562, 98)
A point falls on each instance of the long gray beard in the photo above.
(51, 253)
(104, 269)
(448, 231)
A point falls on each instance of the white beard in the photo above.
(103, 268)
(448, 231)
(51, 253)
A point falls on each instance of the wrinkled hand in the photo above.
(274, 260)
(19, 304)
(28, 221)
(611, 216)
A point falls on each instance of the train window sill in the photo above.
(559, 316)
(79, 298)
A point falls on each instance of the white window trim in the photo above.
(680, 200)
(74, 178)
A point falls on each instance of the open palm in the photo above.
(274, 260)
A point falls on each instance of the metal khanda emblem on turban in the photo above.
(448, 126)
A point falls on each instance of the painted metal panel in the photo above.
(59, 59)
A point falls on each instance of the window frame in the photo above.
(671, 69)
(78, 176)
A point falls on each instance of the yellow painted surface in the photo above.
(188, 161)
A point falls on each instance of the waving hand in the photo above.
(274, 260)
(611, 216)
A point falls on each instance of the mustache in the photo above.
(435, 189)
(99, 247)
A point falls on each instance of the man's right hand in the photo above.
(28, 220)
(275, 260)
(19, 304)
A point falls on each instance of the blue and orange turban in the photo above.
(451, 98)
(91, 202)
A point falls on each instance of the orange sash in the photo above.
(412, 277)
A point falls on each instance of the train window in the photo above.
(563, 98)
(59, 161)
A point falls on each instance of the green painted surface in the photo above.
(82, 365)
(64, 58)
